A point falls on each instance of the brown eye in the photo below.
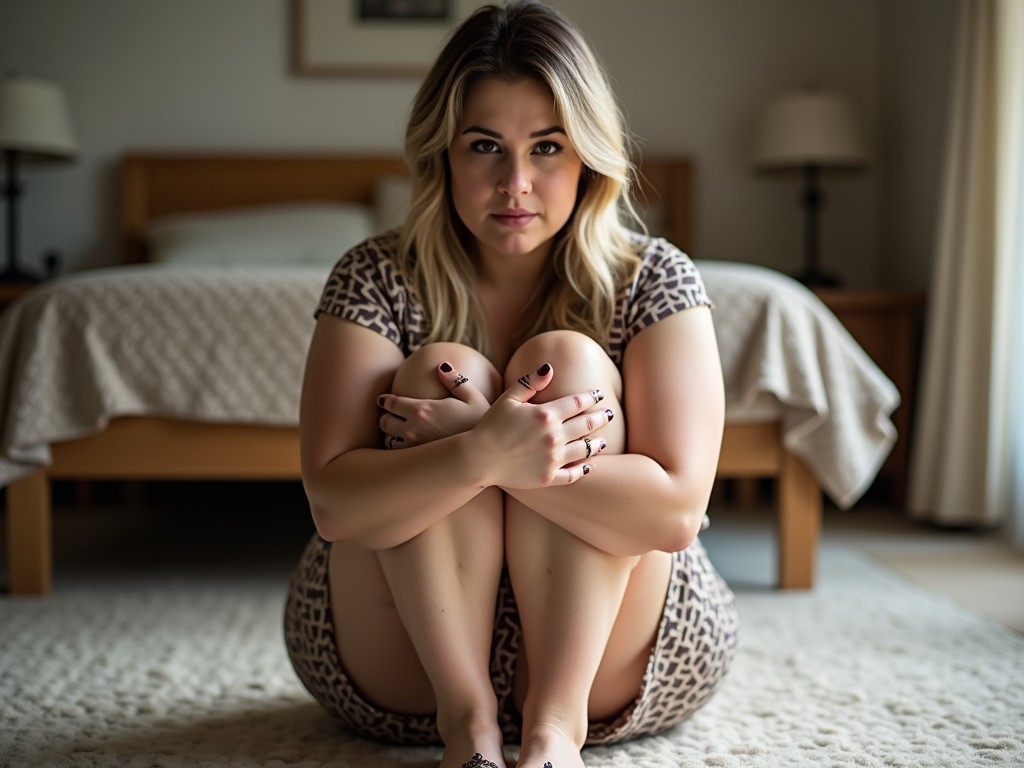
(548, 148)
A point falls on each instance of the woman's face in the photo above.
(514, 173)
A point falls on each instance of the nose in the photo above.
(515, 178)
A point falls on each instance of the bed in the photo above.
(183, 370)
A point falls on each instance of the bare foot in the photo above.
(549, 747)
(479, 761)
(474, 748)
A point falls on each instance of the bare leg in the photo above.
(436, 595)
(588, 617)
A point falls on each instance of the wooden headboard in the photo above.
(666, 186)
(154, 185)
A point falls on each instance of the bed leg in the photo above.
(800, 510)
(29, 536)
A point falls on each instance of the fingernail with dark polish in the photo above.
(603, 445)
(609, 414)
(380, 401)
(446, 367)
(586, 469)
(543, 370)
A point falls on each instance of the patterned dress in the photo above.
(697, 635)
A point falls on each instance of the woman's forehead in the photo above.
(495, 99)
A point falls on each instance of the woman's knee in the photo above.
(417, 375)
(580, 364)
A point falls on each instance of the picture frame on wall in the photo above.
(405, 10)
(372, 37)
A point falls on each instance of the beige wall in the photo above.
(692, 74)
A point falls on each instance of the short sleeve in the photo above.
(366, 288)
(667, 282)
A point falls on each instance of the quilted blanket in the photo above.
(228, 345)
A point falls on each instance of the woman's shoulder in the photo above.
(367, 274)
(660, 257)
(372, 262)
(375, 259)
(655, 248)
(665, 271)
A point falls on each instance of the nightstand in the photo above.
(887, 324)
(10, 291)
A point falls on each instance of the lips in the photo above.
(514, 217)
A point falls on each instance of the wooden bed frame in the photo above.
(160, 448)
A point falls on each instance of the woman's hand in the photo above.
(535, 446)
(410, 421)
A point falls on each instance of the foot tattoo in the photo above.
(478, 761)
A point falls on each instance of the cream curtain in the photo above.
(968, 457)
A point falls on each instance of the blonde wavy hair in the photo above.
(592, 255)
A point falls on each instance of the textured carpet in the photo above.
(171, 664)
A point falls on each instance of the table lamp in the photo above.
(34, 130)
(810, 130)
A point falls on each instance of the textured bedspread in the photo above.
(228, 345)
(201, 343)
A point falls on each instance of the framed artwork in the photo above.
(372, 37)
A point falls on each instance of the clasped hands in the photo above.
(532, 445)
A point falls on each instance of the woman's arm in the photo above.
(654, 496)
(356, 490)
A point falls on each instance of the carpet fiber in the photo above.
(181, 666)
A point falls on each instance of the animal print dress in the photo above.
(697, 635)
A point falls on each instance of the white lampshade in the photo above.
(34, 120)
(811, 126)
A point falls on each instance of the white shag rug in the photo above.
(190, 670)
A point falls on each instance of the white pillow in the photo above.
(300, 233)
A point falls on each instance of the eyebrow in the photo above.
(495, 135)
